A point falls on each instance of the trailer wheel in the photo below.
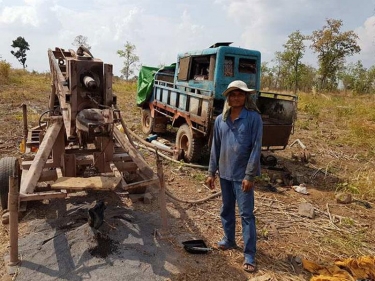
(8, 167)
(190, 145)
(148, 121)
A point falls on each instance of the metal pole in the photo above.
(13, 200)
(162, 197)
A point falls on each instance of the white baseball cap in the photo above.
(238, 85)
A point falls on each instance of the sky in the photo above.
(162, 29)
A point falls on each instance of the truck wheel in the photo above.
(148, 122)
(191, 146)
(8, 167)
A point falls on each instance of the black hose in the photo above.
(40, 117)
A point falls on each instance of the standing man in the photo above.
(235, 154)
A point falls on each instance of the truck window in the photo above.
(247, 66)
(229, 66)
(183, 69)
(199, 68)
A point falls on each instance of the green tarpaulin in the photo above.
(144, 83)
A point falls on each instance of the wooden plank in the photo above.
(30, 180)
(134, 154)
(41, 196)
(77, 183)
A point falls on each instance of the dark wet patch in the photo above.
(105, 246)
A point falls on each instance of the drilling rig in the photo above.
(77, 144)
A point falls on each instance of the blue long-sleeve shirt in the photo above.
(237, 146)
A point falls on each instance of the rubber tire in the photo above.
(191, 146)
(8, 167)
(147, 121)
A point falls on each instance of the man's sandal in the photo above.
(248, 267)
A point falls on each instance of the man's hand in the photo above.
(210, 182)
(247, 185)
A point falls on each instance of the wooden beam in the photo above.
(31, 178)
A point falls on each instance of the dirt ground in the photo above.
(337, 231)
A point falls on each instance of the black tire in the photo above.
(190, 145)
(8, 167)
(147, 121)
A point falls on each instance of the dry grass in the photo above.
(345, 127)
(339, 129)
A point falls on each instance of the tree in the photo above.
(266, 76)
(131, 60)
(307, 76)
(291, 57)
(22, 46)
(81, 40)
(357, 78)
(277, 71)
(332, 46)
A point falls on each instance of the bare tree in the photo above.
(81, 40)
(131, 60)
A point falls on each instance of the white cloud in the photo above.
(34, 2)
(162, 30)
(23, 14)
(366, 34)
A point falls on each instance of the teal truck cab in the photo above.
(188, 95)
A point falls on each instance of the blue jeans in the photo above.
(232, 191)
